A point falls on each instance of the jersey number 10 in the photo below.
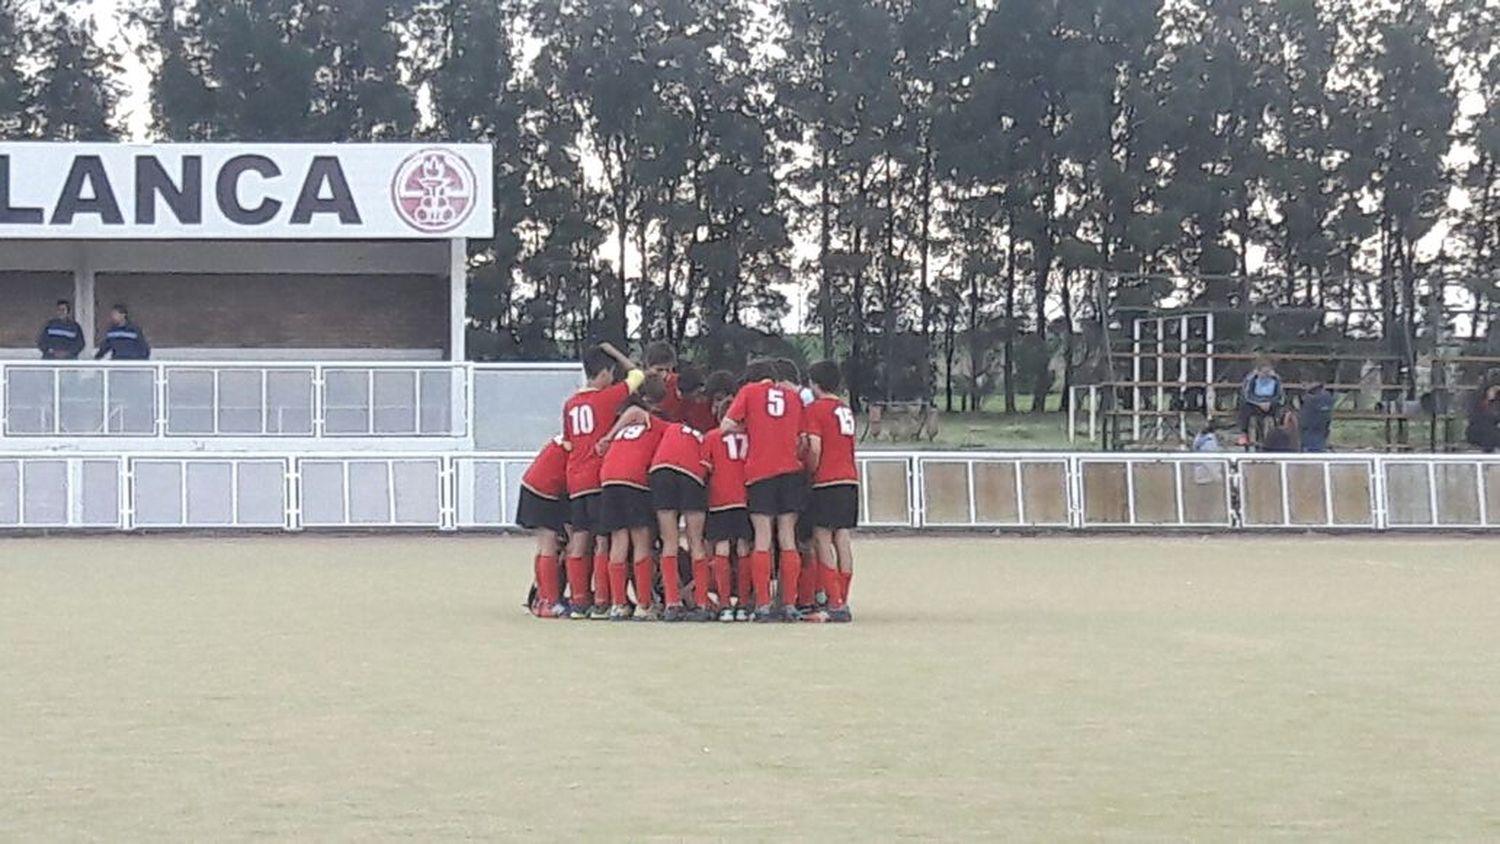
(581, 420)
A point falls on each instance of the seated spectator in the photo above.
(123, 341)
(1483, 431)
(62, 336)
(1316, 418)
(1283, 438)
(1260, 395)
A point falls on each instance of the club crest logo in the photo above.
(434, 190)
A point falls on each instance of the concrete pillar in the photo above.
(83, 297)
(458, 296)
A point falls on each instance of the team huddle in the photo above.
(668, 495)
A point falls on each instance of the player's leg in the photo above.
(807, 579)
(744, 578)
(619, 573)
(722, 576)
(666, 526)
(827, 570)
(645, 578)
(580, 544)
(549, 589)
(604, 596)
(843, 542)
(693, 522)
(763, 526)
(790, 564)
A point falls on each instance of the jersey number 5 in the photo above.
(581, 420)
(776, 403)
(846, 421)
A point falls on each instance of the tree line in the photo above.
(946, 180)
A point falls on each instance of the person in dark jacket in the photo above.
(124, 340)
(1484, 418)
(1284, 437)
(1316, 418)
(62, 336)
(1260, 395)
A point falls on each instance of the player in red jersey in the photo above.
(771, 415)
(728, 526)
(678, 494)
(698, 411)
(587, 416)
(543, 509)
(626, 511)
(661, 359)
(790, 377)
(834, 502)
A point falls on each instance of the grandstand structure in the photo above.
(1405, 370)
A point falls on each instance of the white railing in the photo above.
(261, 405)
(900, 490)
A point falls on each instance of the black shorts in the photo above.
(534, 512)
(834, 507)
(673, 490)
(777, 496)
(624, 507)
(583, 511)
(728, 525)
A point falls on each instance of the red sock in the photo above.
(807, 582)
(760, 573)
(643, 585)
(721, 579)
(671, 579)
(791, 572)
(602, 582)
(700, 583)
(578, 581)
(619, 577)
(833, 584)
(742, 581)
(846, 577)
(547, 587)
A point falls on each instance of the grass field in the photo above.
(1030, 688)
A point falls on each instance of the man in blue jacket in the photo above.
(1260, 395)
(62, 336)
(123, 341)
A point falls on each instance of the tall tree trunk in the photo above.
(1067, 303)
(1010, 323)
(825, 238)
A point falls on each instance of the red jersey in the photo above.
(771, 415)
(587, 417)
(698, 413)
(832, 422)
(671, 404)
(724, 455)
(547, 475)
(628, 461)
(680, 449)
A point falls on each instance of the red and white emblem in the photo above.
(434, 190)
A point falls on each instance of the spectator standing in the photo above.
(124, 340)
(1484, 418)
(62, 336)
(1283, 438)
(1260, 395)
(1316, 418)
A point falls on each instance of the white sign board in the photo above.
(245, 191)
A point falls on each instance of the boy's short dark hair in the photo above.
(64, 303)
(595, 361)
(661, 353)
(721, 383)
(760, 369)
(786, 371)
(689, 379)
(124, 311)
(827, 375)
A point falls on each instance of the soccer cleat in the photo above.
(741, 614)
(790, 614)
(763, 615)
(599, 612)
(840, 616)
(815, 617)
(619, 612)
(583, 612)
(651, 613)
(550, 611)
(676, 613)
(726, 615)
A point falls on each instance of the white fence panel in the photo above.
(374, 492)
(1439, 492)
(209, 492)
(1157, 491)
(487, 490)
(60, 492)
(1309, 492)
(961, 490)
